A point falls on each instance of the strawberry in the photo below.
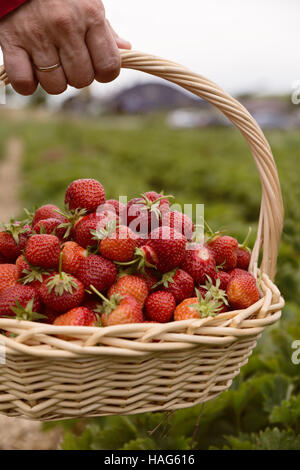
(51, 226)
(8, 276)
(209, 291)
(72, 254)
(238, 272)
(119, 310)
(80, 316)
(50, 315)
(130, 285)
(3, 259)
(13, 240)
(144, 213)
(48, 211)
(196, 307)
(62, 292)
(179, 222)
(115, 206)
(97, 271)
(244, 253)
(43, 250)
(85, 194)
(160, 306)
(18, 296)
(199, 262)
(179, 283)
(149, 276)
(165, 249)
(116, 243)
(242, 291)
(224, 279)
(224, 249)
(243, 258)
(85, 228)
(33, 276)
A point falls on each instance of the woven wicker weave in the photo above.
(148, 367)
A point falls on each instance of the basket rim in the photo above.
(141, 339)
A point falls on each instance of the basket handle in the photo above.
(271, 210)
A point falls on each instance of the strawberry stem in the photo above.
(93, 288)
(60, 265)
(245, 242)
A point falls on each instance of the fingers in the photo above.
(121, 43)
(104, 52)
(77, 63)
(54, 82)
(19, 69)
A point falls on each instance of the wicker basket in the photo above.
(148, 367)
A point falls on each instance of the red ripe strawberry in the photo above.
(72, 254)
(115, 206)
(43, 250)
(85, 228)
(50, 315)
(224, 279)
(50, 226)
(32, 276)
(224, 249)
(21, 265)
(62, 292)
(243, 258)
(165, 249)
(13, 240)
(179, 283)
(48, 211)
(196, 307)
(119, 310)
(18, 295)
(130, 285)
(3, 259)
(238, 272)
(242, 291)
(85, 194)
(160, 306)
(199, 262)
(179, 222)
(97, 271)
(117, 244)
(140, 241)
(144, 213)
(8, 276)
(93, 305)
(80, 316)
(150, 277)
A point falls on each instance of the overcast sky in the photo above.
(242, 45)
(249, 45)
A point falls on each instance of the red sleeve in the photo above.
(6, 6)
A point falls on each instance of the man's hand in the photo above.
(74, 33)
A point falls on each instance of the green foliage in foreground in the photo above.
(262, 409)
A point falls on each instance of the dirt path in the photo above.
(18, 433)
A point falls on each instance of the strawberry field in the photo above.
(213, 167)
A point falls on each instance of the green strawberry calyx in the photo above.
(72, 216)
(106, 231)
(206, 307)
(167, 278)
(214, 292)
(109, 305)
(153, 206)
(15, 229)
(61, 282)
(35, 273)
(26, 313)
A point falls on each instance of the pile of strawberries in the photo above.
(102, 263)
